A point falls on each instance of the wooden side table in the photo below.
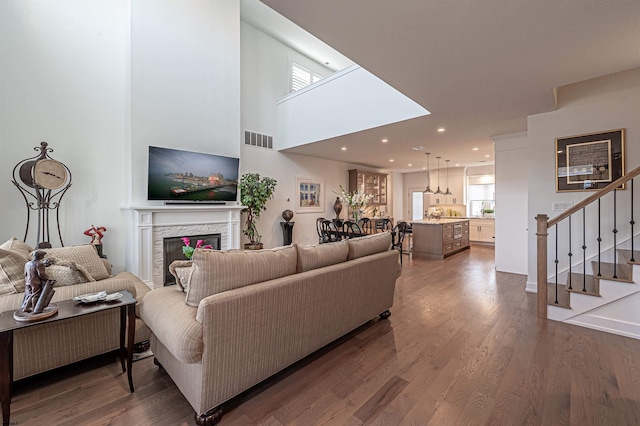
(66, 310)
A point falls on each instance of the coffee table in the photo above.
(66, 310)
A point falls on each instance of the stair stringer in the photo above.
(611, 292)
(620, 317)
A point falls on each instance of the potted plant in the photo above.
(255, 192)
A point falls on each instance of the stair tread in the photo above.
(563, 296)
(587, 282)
(627, 255)
(623, 271)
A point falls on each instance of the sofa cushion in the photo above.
(68, 273)
(11, 272)
(217, 271)
(321, 255)
(84, 255)
(370, 244)
(173, 323)
(17, 246)
(181, 270)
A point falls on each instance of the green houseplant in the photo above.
(255, 192)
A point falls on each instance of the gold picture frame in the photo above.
(589, 162)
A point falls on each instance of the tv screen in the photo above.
(176, 175)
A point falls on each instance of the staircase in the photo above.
(592, 292)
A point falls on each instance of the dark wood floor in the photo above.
(462, 346)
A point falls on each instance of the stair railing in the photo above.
(542, 232)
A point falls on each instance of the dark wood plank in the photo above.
(463, 346)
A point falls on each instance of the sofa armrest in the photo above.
(173, 322)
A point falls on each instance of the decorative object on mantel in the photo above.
(287, 215)
(356, 201)
(38, 291)
(96, 235)
(188, 250)
(255, 192)
(337, 207)
(44, 183)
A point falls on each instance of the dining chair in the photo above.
(350, 229)
(383, 225)
(330, 233)
(398, 234)
(365, 225)
(319, 229)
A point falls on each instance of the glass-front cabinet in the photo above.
(370, 183)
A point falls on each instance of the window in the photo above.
(302, 77)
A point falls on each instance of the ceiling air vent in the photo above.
(256, 139)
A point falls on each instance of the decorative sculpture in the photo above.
(337, 207)
(96, 235)
(38, 291)
(287, 215)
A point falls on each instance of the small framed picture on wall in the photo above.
(309, 195)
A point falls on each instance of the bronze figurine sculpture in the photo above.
(38, 290)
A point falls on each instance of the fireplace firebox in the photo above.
(172, 250)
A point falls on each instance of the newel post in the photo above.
(542, 233)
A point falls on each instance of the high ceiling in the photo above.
(480, 67)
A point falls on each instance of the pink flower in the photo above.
(199, 243)
(186, 241)
(208, 246)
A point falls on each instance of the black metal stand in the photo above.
(39, 199)
(287, 232)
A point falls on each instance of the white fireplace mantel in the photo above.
(151, 224)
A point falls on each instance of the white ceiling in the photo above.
(480, 66)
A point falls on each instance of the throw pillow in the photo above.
(371, 244)
(84, 255)
(67, 273)
(17, 246)
(181, 270)
(12, 272)
(217, 271)
(321, 255)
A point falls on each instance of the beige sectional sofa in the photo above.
(78, 270)
(249, 314)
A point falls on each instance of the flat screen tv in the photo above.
(176, 175)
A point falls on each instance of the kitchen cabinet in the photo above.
(482, 230)
(456, 187)
(370, 183)
(437, 239)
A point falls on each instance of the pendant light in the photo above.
(447, 192)
(428, 190)
(438, 191)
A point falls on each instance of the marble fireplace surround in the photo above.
(154, 223)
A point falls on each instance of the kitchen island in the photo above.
(439, 238)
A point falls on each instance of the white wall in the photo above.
(265, 71)
(185, 80)
(606, 103)
(511, 155)
(64, 70)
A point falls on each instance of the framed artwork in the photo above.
(309, 195)
(589, 162)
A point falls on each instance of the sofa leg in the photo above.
(156, 362)
(386, 314)
(210, 418)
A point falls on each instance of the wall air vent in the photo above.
(256, 139)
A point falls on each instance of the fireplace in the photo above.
(152, 224)
(172, 250)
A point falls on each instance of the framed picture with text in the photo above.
(309, 195)
(589, 162)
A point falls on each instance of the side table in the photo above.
(66, 309)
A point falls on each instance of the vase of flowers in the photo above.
(187, 250)
(356, 201)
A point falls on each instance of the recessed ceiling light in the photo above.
(487, 156)
(344, 148)
(391, 160)
(441, 129)
(418, 148)
(457, 165)
(424, 168)
(475, 149)
(409, 164)
(385, 140)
